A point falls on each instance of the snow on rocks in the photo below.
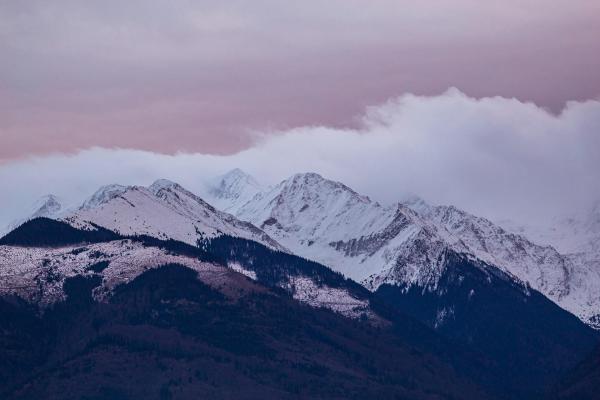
(339, 300)
(37, 274)
(164, 210)
(238, 268)
(330, 223)
(403, 244)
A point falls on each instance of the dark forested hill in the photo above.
(166, 335)
(583, 382)
(46, 232)
(529, 341)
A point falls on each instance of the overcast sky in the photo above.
(113, 91)
(199, 76)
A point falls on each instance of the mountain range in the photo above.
(496, 310)
(373, 244)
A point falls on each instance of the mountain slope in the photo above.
(328, 222)
(167, 335)
(530, 340)
(126, 309)
(576, 233)
(570, 280)
(40, 272)
(164, 210)
(457, 273)
(573, 284)
(578, 240)
(37, 258)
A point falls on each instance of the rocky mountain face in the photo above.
(404, 243)
(577, 238)
(569, 280)
(328, 222)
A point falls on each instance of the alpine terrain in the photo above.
(408, 300)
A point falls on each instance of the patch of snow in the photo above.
(38, 274)
(238, 268)
(307, 291)
(442, 315)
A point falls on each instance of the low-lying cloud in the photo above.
(496, 157)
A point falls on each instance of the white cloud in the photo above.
(496, 157)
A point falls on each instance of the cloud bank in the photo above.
(496, 157)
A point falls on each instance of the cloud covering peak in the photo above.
(497, 157)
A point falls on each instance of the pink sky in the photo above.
(202, 76)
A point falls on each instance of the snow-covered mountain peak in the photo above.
(232, 190)
(306, 190)
(308, 177)
(328, 222)
(161, 184)
(311, 204)
(237, 175)
(164, 210)
(179, 198)
(46, 206)
(311, 181)
(182, 200)
(405, 244)
(415, 203)
(103, 195)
